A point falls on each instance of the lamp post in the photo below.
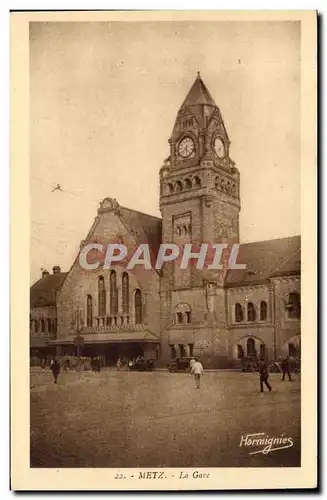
(79, 339)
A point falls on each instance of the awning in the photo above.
(109, 338)
(34, 343)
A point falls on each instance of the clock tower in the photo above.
(199, 184)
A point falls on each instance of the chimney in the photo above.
(56, 269)
(45, 273)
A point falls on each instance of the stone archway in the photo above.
(292, 347)
(249, 346)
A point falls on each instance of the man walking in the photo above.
(197, 371)
(55, 368)
(264, 375)
(286, 368)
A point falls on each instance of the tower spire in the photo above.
(198, 94)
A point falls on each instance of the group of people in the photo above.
(286, 366)
(197, 370)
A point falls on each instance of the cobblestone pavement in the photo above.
(159, 419)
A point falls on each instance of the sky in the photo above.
(103, 101)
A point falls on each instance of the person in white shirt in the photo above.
(197, 371)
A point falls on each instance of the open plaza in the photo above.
(158, 419)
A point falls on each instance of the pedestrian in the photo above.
(192, 363)
(286, 368)
(55, 368)
(118, 364)
(197, 371)
(264, 375)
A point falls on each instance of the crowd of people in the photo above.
(196, 369)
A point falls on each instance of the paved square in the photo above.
(159, 419)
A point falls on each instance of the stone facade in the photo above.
(221, 316)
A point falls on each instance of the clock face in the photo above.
(186, 147)
(219, 147)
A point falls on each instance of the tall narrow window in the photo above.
(49, 325)
(191, 347)
(179, 317)
(89, 312)
(42, 325)
(37, 326)
(125, 287)
(138, 307)
(173, 352)
(263, 310)
(113, 294)
(101, 297)
(251, 312)
(294, 305)
(238, 313)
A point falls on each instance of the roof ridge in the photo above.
(139, 212)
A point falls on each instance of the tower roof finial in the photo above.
(198, 74)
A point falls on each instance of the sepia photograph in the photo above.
(165, 227)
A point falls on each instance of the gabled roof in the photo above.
(198, 94)
(43, 292)
(266, 259)
(147, 228)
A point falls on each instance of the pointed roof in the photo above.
(198, 94)
(43, 292)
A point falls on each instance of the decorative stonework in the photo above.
(109, 205)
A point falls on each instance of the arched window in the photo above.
(138, 307)
(89, 311)
(183, 313)
(238, 313)
(36, 326)
(188, 184)
(263, 310)
(251, 312)
(294, 305)
(101, 297)
(197, 182)
(42, 325)
(179, 186)
(113, 294)
(250, 348)
(125, 287)
(170, 188)
(49, 325)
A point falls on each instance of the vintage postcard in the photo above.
(163, 250)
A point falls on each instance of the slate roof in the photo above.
(43, 292)
(198, 94)
(266, 259)
(147, 228)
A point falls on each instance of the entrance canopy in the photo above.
(107, 338)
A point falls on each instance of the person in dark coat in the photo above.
(55, 368)
(286, 368)
(264, 375)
